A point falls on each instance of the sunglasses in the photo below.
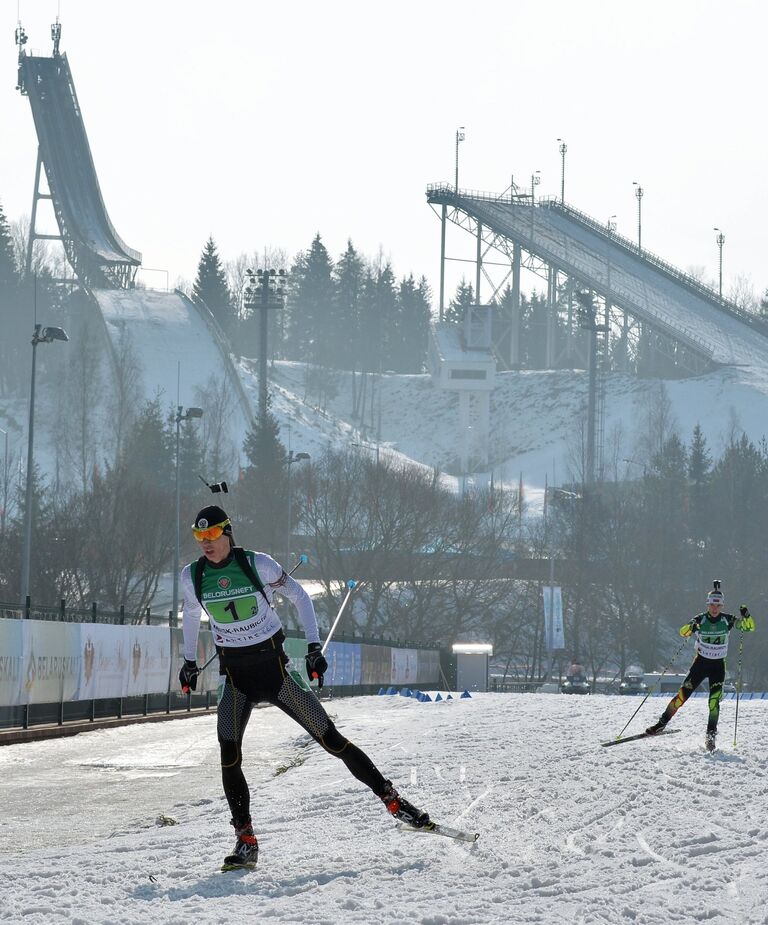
(210, 533)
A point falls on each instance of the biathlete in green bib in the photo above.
(236, 587)
(711, 630)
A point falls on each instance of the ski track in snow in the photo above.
(651, 832)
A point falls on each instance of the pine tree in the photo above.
(261, 493)
(465, 296)
(13, 321)
(409, 352)
(348, 275)
(149, 453)
(311, 306)
(211, 286)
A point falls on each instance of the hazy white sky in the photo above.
(263, 123)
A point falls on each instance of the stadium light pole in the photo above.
(289, 462)
(563, 149)
(639, 192)
(535, 180)
(181, 415)
(41, 335)
(720, 240)
(460, 136)
(265, 290)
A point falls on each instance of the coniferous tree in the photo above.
(261, 491)
(465, 296)
(211, 286)
(149, 451)
(348, 275)
(311, 306)
(413, 320)
(699, 475)
(11, 319)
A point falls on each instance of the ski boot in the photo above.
(246, 852)
(656, 728)
(709, 740)
(401, 809)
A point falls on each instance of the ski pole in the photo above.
(302, 560)
(351, 585)
(669, 665)
(738, 688)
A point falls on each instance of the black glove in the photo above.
(188, 676)
(316, 663)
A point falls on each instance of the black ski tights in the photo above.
(263, 678)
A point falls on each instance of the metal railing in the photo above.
(63, 613)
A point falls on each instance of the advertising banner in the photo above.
(377, 664)
(405, 664)
(554, 631)
(344, 667)
(11, 662)
(104, 661)
(429, 667)
(150, 660)
(51, 662)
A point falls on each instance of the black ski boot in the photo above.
(709, 740)
(401, 809)
(246, 852)
(656, 728)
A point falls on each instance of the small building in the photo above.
(472, 665)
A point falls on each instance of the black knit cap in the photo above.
(209, 517)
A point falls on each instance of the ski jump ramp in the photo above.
(635, 280)
(178, 346)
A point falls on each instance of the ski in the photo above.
(640, 735)
(434, 828)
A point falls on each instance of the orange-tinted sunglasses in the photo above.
(210, 533)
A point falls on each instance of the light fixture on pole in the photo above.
(720, 240)
(563, 149)
(181, 415)
(289, 462)
(612, 224)
(460, 136)
(639, 193)
(41, 335)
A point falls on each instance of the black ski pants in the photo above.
(713, 669)
(257, 674)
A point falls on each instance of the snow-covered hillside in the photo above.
(535, 415)
(535, 419)
(647, 832)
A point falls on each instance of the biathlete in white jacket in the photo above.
(236, 587)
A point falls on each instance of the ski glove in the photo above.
(188, 676)
(746, 621)
(316, 663)
(688, 628)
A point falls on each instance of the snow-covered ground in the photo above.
(643, 833)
